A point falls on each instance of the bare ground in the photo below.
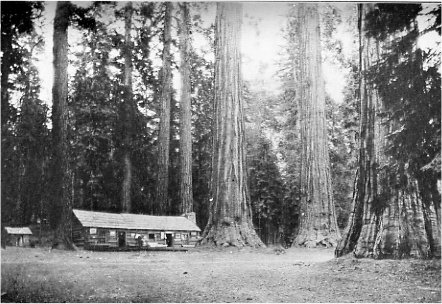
(209, 275)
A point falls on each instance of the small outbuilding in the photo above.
(103, 230)
(18, 236)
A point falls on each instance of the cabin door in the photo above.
(121, 239)
(169, 239)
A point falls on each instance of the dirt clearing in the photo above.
(203, 275)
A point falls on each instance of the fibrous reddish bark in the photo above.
(61, 200)
(230, 219)
(318, 226)
(185, 115)
(162, 198)
(388, 216)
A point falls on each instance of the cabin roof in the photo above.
(18, 230)
(134, 221)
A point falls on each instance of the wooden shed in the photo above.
(102, 230)
(18, 236)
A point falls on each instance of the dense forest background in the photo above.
(115, 114)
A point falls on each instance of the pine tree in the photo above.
(129, 112)
(266, 190)
(93, 121)
(32, 139)
(18, 44)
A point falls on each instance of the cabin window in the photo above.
(193, 233)
(93, 231)
(152, 236)
(184, 236)
(112, 233)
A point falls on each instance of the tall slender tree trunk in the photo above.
(19, 207)
(129, 109)
(162, 198)
(318, 226)
(61, 200)
(230, 217)
(185, 115)
(6, 47)
(387, 218)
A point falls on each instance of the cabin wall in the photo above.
(19, 240)
(96, 238)
(108, 238)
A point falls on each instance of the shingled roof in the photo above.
(134, 221)
(18, 230)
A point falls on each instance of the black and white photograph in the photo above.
(220, 152)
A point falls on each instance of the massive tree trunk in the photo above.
(387, 218)
(230, 218)
(318, 226)
(185, 115)
(129, 109)
(61, 200)
(162, 198)
(431, 199)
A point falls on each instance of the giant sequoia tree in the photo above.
(388, 218)
(61, 199)
(162, 198)
(317, 211)
(230, 218)
(185, 114)
(407, 79)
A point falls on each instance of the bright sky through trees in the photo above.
(262, 38)
(262, 41)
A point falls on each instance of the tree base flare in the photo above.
(237, 235)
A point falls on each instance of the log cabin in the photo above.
(124, 231)
(18, 236)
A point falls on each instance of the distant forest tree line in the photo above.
(256, 167)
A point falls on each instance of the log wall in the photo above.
(107, 238)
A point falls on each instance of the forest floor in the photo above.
(210, 275)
